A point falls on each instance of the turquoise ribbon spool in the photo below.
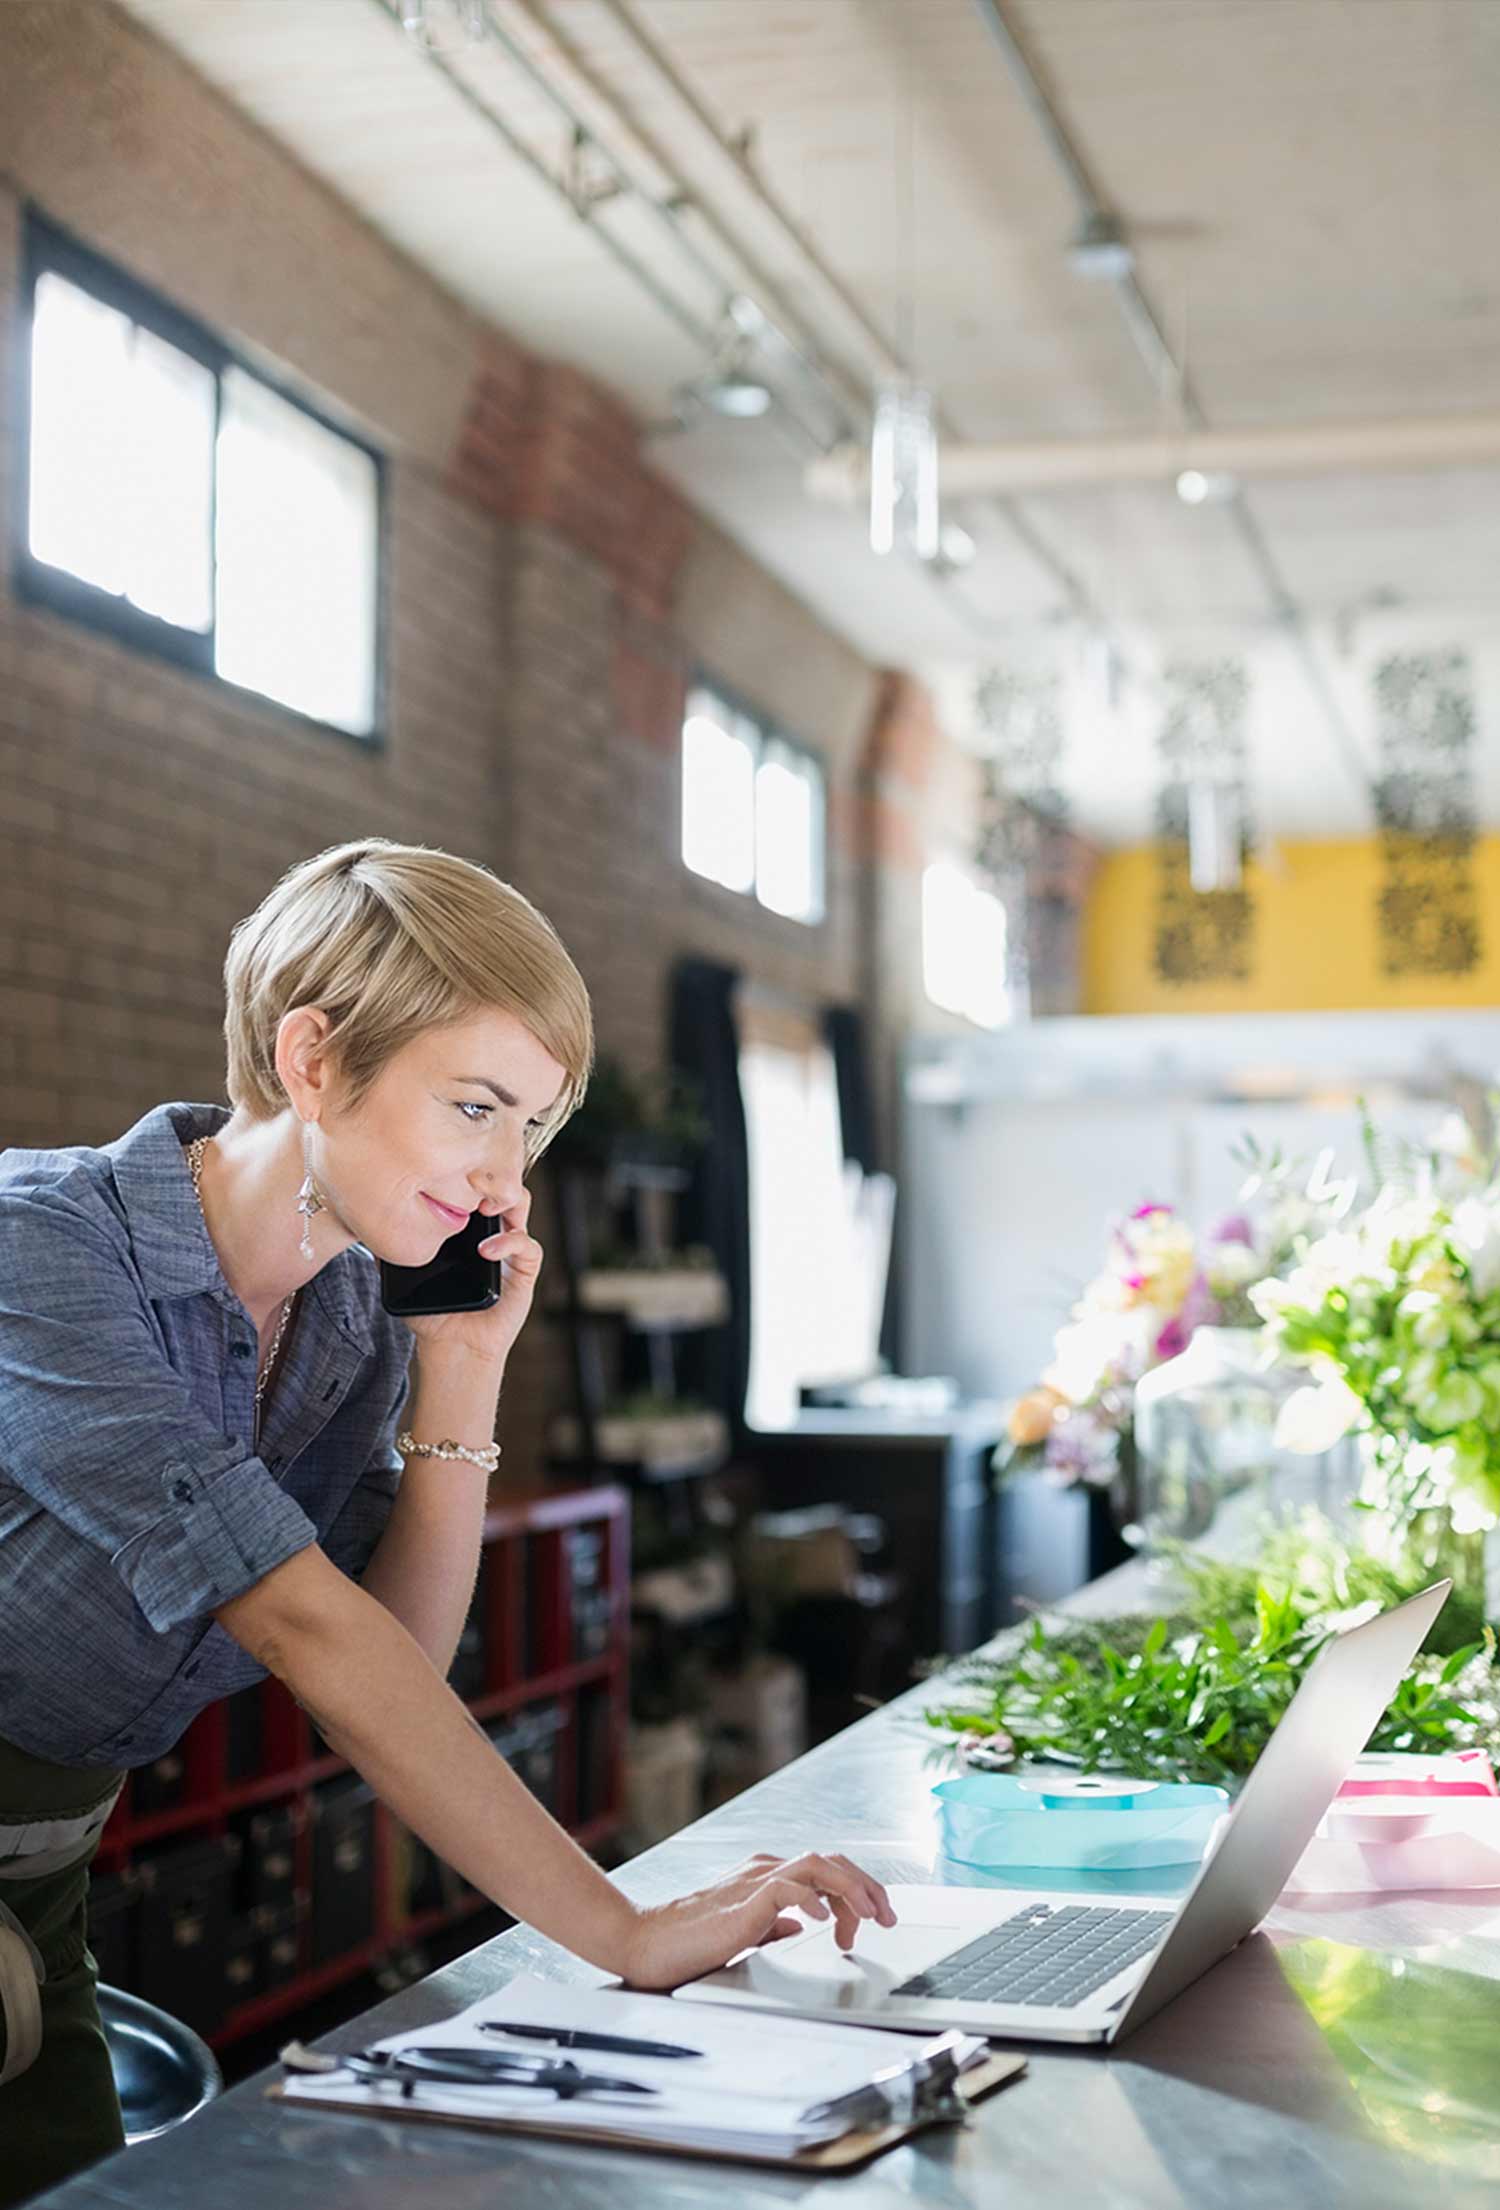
(997, 1823)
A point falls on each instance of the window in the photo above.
(820, 1228)
(752, 809)
(181, 502)
(964, 947)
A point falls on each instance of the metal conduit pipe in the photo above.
(683, 316)
(808, 348)
(891, 363)
(703, 333)
(623, 180)
(666, 214)
(1167, 373)
(1140, 316)
(679, 314)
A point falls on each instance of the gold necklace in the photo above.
(195, 1151)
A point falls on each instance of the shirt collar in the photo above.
(173, 1247)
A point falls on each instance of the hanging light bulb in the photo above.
(904, 473)
(434, 24)
(1206, 487)
(732, 384)
(1216, 830)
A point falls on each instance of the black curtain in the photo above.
(715, 1207)
(844, 1032)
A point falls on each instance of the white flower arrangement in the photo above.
(1396, 1316)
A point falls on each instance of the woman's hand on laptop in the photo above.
(693, 1934)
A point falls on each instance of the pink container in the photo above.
(1390, 1773)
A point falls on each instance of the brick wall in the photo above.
(549, 601)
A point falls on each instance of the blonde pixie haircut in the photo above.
(389, 940)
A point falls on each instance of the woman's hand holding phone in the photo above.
(485, 1338)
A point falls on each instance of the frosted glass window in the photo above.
(718, 799)
(121, 457)
(752, 809)
(788, 833)
(810, 1320)
(184, 505)
(298, 532)
(964, 946)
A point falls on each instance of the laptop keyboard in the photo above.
(1053, 1957)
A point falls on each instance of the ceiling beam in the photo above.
(1300, 449)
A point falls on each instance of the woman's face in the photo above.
(433, 1132)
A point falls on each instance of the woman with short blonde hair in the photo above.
(221, 1457)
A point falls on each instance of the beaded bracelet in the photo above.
(409, 1447)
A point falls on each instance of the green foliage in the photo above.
(665, 1109)
(618, 1257)
(653, 1404)
(1322, 1576)
(1196, 1696)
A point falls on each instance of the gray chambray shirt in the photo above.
(132, 1501)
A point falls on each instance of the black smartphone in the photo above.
(456, 1279)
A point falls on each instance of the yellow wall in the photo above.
(1314, 943)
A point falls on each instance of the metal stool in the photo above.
(164, 2072)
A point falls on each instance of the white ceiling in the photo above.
(1314, 196)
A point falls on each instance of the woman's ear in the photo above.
(301, 1061)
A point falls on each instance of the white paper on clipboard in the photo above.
(753, 2091)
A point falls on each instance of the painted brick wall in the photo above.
(549, 602)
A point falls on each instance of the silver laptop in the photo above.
(1026, 1966)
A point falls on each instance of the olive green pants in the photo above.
(61, 2112)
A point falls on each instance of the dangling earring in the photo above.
(310, 1199)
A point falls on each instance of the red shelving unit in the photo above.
(543, 1653)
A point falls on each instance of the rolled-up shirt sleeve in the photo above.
(100, 1430)
(350, 1541)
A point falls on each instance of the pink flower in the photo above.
(1081, 1449)
(1233, 1228)
(1172, 1339)
(1199, 1307)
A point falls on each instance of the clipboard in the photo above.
(849, 2153)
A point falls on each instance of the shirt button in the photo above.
(183, 1491)
(239, 1350)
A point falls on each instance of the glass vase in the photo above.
(1208, 1468)
(1406, 1530)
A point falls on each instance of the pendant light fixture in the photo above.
(904, 510)
(732, 385)
(904, 473)
(1204, 912)
(436, 24)
(1215, 835)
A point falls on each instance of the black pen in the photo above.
(573, 2037)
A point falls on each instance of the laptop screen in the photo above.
(1296, 1777)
